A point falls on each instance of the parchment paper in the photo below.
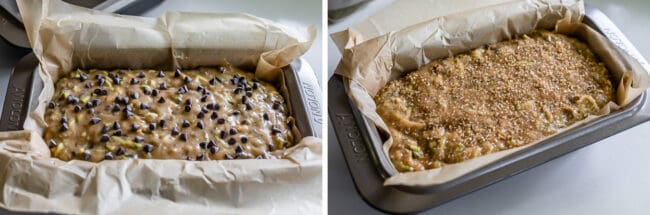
(370, 64)
(65, 37)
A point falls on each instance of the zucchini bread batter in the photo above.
(204, 114)
(495, 98)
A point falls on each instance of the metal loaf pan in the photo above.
(369, 166)
(25, 86)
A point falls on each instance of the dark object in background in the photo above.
(338, 9)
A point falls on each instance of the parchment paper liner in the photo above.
(65, 37)
(370, 64)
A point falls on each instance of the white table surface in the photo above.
(297, 13)
(611, 176)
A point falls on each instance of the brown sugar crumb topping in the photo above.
(491, 99)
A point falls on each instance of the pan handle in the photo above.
(609, 29)
(19, 90)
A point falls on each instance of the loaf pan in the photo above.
(304, 95)
(369, 166)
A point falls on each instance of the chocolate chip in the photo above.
(99, 76)
(199, 124)
(64, 120)
(200, 115)
(105, 129)
(89, 84)
(100, 82)
(128, 114)
(210, 106)
(214, 81)
(72, 100)
(141, 74)
(186, 123)
(52, 144)
(147, 148)
(138, 139)
(236, 112)
(188, 79)
(135, 95)
(211, 144)
(204, 98)
(188, 108)
(248, 89)
(51, 105)
(232, 141)
(163, 86)
(256, 85)
(162, 123)
(204, 110)
(104, 138)
(276, 105)
(182, 90)
(120, 151)
(134, 127)
(161, 74)
(184, 136)
(83, 77)
(239, 149)
(199, 157)
(244, 98)
(233, 131)
(221, 120)
(146, 91)
(77, 108)
(104, 92)
(237, 90)
(188, 102)
(200, 89)
(96, 102)
(215, 106)
(95, 120)
(155, 92)
(135, 81)
(214, 150)
(175, 131)
(161, 100)
(86, 155)
(128, 108)
(64, 127)
(233, 81)
(108, 156)
(249, 106)
(203, 145)
(152, 126)
(116, 108)
(117, 80)
(177, 73)
(117, 133)
(214, 115)
(144, 106)
(274, 131)
(116, 126)
(244, 139)
(223, 134)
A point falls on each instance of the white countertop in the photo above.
(608, 177)
(288, 12)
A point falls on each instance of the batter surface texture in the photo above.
(491, 99)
